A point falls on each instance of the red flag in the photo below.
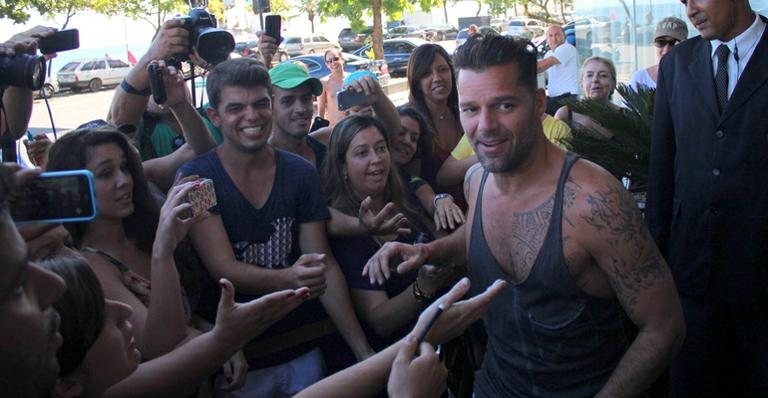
(131, 58)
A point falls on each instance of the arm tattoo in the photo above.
(635, 265)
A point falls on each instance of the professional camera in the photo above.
(213, 45)
(22, 70)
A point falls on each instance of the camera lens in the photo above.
(22, 70)
(214, 45)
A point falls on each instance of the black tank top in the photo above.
(546, 338)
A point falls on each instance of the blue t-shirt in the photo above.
(267, 237)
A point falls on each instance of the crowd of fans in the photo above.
(338, 262)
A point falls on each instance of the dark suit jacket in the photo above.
(708, 180)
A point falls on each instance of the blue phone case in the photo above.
(89, 193)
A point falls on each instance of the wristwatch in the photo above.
(440, 196)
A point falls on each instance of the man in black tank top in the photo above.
(564, 233)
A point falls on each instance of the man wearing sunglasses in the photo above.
(326, 102)
(670, 31)
(707, 191)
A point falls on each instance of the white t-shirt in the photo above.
(641, 78)
(563, 77)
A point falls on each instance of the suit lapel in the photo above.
(753, 77)
(701, 70)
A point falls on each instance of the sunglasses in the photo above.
(329, 60)
(661, 43)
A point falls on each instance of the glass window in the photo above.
(88, 66)
(100, 65)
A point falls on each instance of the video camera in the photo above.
(28, 70)
(213, 45)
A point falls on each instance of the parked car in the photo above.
(319, 69)
(247, 48)
(463, 34)
(440, 32)
(301, 45)
(93, 74)
(407, 31)
(525, 27)
(50, 87)
(397, 52)
(350, 40)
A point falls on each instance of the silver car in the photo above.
(93, 74)
(301, 45)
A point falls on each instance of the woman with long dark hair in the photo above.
(433, 92)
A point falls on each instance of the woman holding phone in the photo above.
(133, 246)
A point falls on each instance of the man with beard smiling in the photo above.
(707, 190)
(30, 326)
(566, 235)
(267, 233)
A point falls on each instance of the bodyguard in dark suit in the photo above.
(708, 197)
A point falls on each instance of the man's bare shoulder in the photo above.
(588, 184)
(472, 180)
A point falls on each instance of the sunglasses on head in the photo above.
(329, 60)
(661, 43)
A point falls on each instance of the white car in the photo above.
(302, 45)
(93, 74)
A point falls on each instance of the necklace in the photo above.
(442, 116)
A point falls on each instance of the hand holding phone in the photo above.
(272, 27)
(61, 196)
(62, 40)
(346, 99)
(155, 74)
(202, 197)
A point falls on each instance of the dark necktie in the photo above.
(721, 76)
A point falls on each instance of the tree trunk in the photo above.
(445, 10)
(479, 8)
(378, 39)
(312, 21)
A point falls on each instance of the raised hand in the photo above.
(176, 216)
(309, 271)
(447, 215)
(172, 39)
(456, 316)
(239, 323)
(416, 376)
(378, 266)
(385, 222)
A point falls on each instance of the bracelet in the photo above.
(419, 294)
(440, 196)
(132, 90)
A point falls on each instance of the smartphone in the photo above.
(272, 27)
(319, 123)
(155, 75)
(59, 196)
(202, 197)
(62, 40)
(346, 99)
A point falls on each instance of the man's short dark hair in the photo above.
(240, 72)
(481, 52)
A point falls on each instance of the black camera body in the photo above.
(22, 70)
(212, 44)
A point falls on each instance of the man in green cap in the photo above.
(293, 93)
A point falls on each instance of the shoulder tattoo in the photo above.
(635, 264)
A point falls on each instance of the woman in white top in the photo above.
(669, 32)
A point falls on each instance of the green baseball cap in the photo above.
(290, 75)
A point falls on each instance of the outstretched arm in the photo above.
(336, 301)
(615, 235)
(369, 376)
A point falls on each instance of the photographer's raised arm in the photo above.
(131, 97)
(17, 101)
(162, 170)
